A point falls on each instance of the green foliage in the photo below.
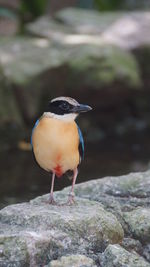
(104, 5)
(27, 11)
(33, 7)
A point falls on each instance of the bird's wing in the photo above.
(34, 129)
(81, 144)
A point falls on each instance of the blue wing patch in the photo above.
(81, 144)
(33, 129)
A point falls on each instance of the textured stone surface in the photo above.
(128, 197)
(74, 261)
(91, 231)
(125, 192)
(116, 256)
(44, 232)
(25, 58)
(118, 194)
(139, 223)
(121, 29)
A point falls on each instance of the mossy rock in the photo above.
(116, 256)
(45, 232)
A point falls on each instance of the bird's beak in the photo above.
(81, 108)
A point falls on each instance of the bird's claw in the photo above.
(71, 199)
(51, 201)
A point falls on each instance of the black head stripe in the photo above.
(59, 107)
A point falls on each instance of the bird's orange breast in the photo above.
(55, 145)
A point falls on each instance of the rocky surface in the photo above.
(44, 232)
(107, 226)
(118, 28)
(116, 256)
(73, 260)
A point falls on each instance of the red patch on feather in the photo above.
(58, 171)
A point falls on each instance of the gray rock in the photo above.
(146, 252)
(44, 233)
(132, 245)
(116, 256)
(32, 67)
(74, 261)
(61, 235)
(126, 191)
(105, 64)
(87, 21)
(23, 61)
(107, 28)
(128, 198)
(46, 27)
(24, 58)
(139, 223)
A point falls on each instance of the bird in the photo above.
(57, 141)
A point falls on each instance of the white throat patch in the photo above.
(65, 117)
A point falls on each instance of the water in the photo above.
(22, 179)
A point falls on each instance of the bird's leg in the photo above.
(51, 197)
(71, 194)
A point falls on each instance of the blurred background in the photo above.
(97, 52)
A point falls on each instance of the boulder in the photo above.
(38, 69)
(117, 194)
(35, 233)
(139, 223)
(107, 226)
(122, 29)
(72, 260)
(116, 256)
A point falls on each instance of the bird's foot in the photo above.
(51, 201)
(71, 199)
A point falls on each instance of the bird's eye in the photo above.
(64, 105)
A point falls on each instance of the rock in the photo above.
(46, 27)
(116, 256)
(107, 28)
(105, 64)
(146, 252)
(130, 190)
(87, 21)
(128, 198)
(91, 231)
(23, 61)
(44, 233)
(138, 221)
(132, 245)
(33, 65)
(24, 58)
(74, 261)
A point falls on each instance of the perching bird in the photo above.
(57, 141)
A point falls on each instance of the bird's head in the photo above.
(65, 108)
